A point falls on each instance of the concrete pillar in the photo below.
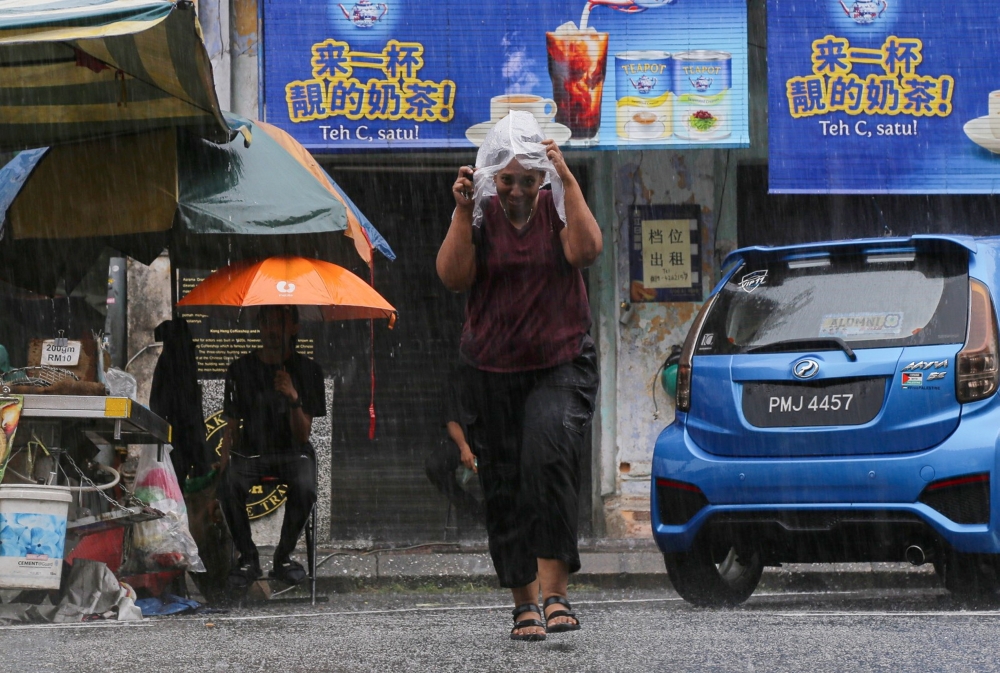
(243, 50)
(726, 161)
(213, 15)
(604, 308)
(149, 305)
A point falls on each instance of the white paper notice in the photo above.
(61, 356)
(666, 253)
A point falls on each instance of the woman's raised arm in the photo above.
(581, 238)
(456, 258)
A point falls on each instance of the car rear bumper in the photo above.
(825, 509)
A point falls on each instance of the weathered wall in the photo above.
(647, 330)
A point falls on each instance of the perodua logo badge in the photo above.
(805, 369)
(285, 288)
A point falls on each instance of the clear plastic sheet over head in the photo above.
(515, 137)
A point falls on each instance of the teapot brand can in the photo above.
(642, 87)
(701, 81)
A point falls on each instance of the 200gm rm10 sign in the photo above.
(61, 355)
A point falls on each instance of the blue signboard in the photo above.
(883, 96)
(435, 74)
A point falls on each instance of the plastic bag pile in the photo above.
(166, 543)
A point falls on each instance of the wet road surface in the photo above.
(889, 630)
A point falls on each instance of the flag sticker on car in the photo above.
(913, 379)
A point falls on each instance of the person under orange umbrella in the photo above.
(271, 398)
(273, 394)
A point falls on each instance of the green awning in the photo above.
(78, 69)
(210, 204)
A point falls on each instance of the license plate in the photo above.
(784, 405)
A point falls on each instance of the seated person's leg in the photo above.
(299, 475)
(440, 467)
(234, 488)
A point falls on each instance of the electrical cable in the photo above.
(652, 387)
(718, 213)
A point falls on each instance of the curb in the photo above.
(638, 567)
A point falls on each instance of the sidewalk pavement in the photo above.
(605, 563)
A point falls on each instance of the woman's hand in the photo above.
(555, 155)
(464, 187)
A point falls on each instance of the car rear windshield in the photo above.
(867, 300)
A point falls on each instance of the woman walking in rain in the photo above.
(530, 362)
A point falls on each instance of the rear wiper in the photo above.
(819, 343)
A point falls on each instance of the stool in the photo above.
(311, 552)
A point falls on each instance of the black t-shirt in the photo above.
(263, 412)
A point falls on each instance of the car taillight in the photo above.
(964, 499)
(977, 361)
(678, 501)
(687, 354)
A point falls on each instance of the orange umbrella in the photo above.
(325, 291)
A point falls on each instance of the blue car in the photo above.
(836, 402)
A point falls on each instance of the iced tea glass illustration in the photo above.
(577, 65)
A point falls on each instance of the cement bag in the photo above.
(166, 543)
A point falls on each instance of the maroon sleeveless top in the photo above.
(527, 308)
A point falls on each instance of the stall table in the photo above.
(115, 420)
(104, 420)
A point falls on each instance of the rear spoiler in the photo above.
(924, 241)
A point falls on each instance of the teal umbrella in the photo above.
(211, 204)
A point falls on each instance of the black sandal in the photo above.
(560, 628)
(520, 610)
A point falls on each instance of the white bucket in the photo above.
(32, 535)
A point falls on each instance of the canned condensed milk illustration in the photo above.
(701, 81)
(642, 86)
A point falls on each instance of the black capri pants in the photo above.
(530, 431)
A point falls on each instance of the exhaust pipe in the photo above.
(915, 555)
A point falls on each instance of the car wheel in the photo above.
(969, 575)
(714, 581)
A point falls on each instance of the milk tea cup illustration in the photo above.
(995, 113)
(543, 109)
